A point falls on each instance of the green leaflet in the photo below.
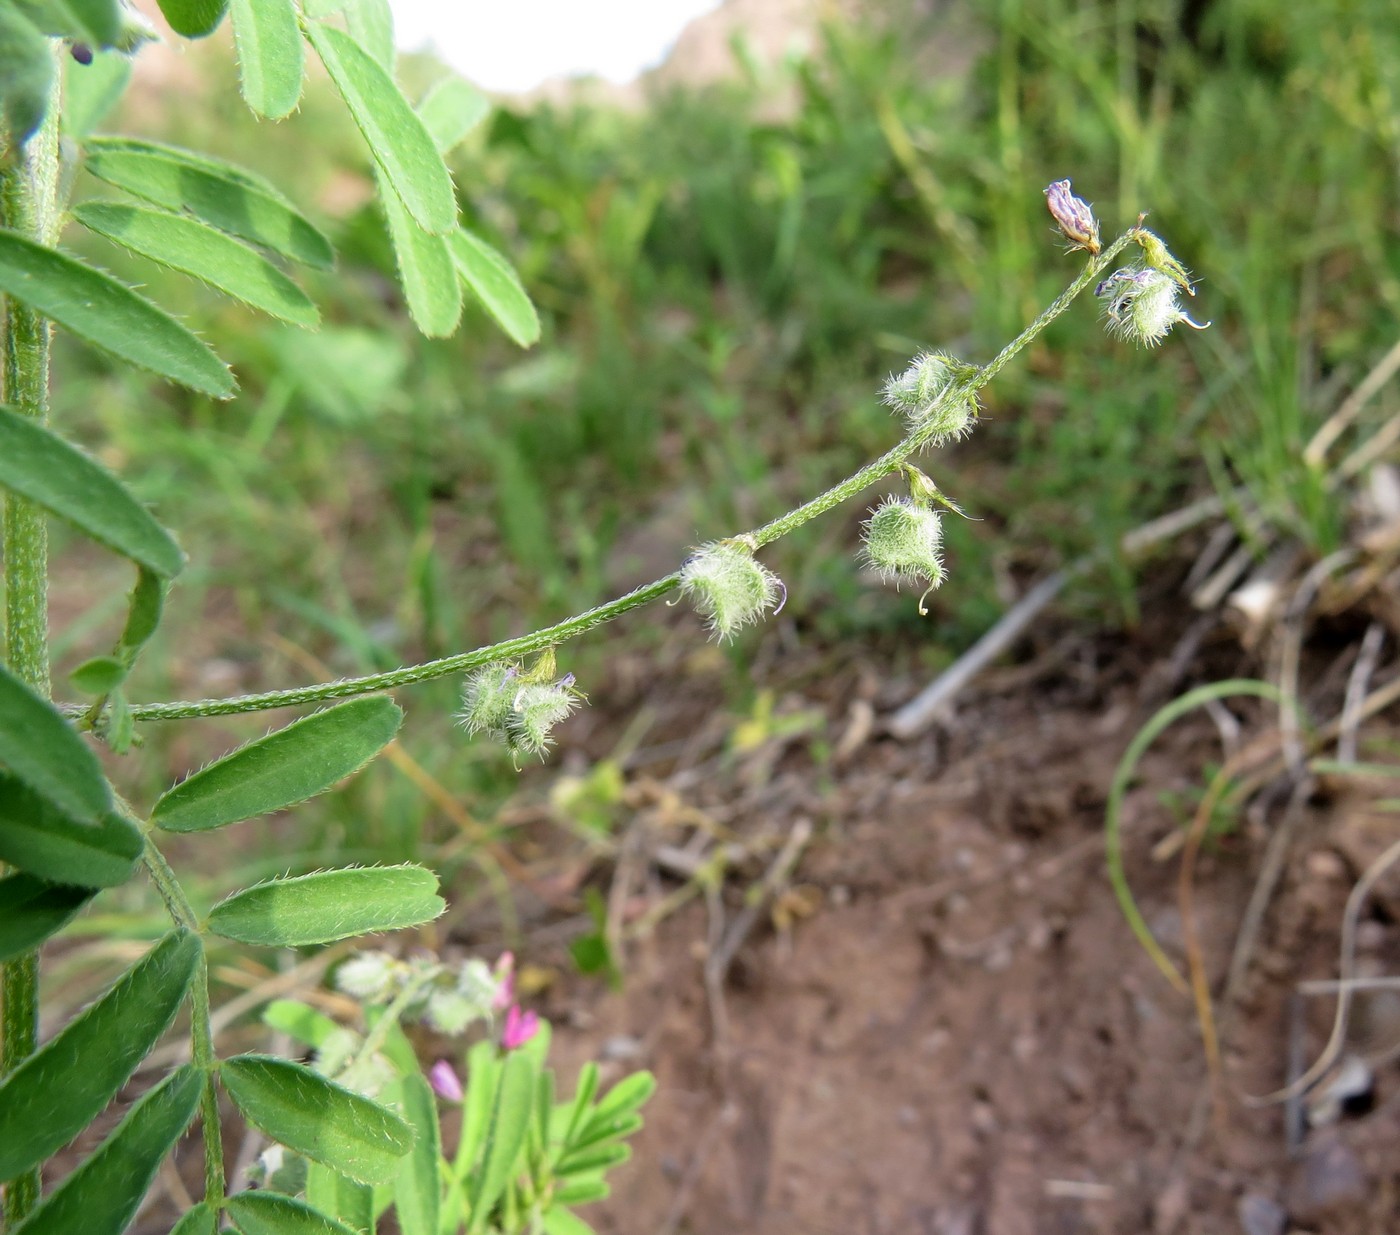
(26, 76)
(268, 1213)
(425, 269)
(90, 91)
(347, 1201)
(284, 768)
(328, 905)
(44, 841)
(33, 909)
(494, 282)
(203, 1219)
(54, 1094)
(417, 1192)
(109, 315)
(99, 676)
(270, 55)
(40, 748)
(224, 196)
(560, 1221)
(397, 138)
(300, 1022)
(451, 110)
(94, 21)
(50, 472)
(317, 1118)
(505, 1135)
(369, 22)
(193, 18)
(102, 1195)
(195, 248)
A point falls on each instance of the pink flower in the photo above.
(445, 1082)
(504, 973)
(520, 1028)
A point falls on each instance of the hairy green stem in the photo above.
(201, 1026)
(552, 636)
(28, 205)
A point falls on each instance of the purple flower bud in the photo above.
(1076, 221)
(445, 1081)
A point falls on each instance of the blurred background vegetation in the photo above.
(726, 276)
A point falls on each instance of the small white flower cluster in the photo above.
(448, 999)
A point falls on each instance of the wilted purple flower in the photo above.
(1076, 221)
(442, 1076)
(519, 1029)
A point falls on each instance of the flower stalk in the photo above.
(915, 440)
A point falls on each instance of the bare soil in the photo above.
(940, 1022)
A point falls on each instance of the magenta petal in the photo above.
(519, 1029)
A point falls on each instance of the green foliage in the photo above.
(109, 315)
(284, 768)
(329, 905)
(56, 1092)
(224, 196)
(199, 250)
(65, 482)
(33, 909)
(270, 55)
(45, 841)
(317, 1118)
(103, 1194)
(44, 755)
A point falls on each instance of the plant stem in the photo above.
(552, 636)
(28, 205)
(201, 1028)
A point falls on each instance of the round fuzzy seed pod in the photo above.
(917, 395)
(728, 587)
(1140, 304)
(902, 539)
(487, 697)
(535, 710)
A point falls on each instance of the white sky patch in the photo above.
(514, 45)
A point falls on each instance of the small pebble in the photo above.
(1328, 1179)
(1261, 1215)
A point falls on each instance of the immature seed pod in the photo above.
(1140, 304)
(925, 396)
(1074, 218)
(902, 542)
(535, 710)
(487, 697)
(728, 587)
